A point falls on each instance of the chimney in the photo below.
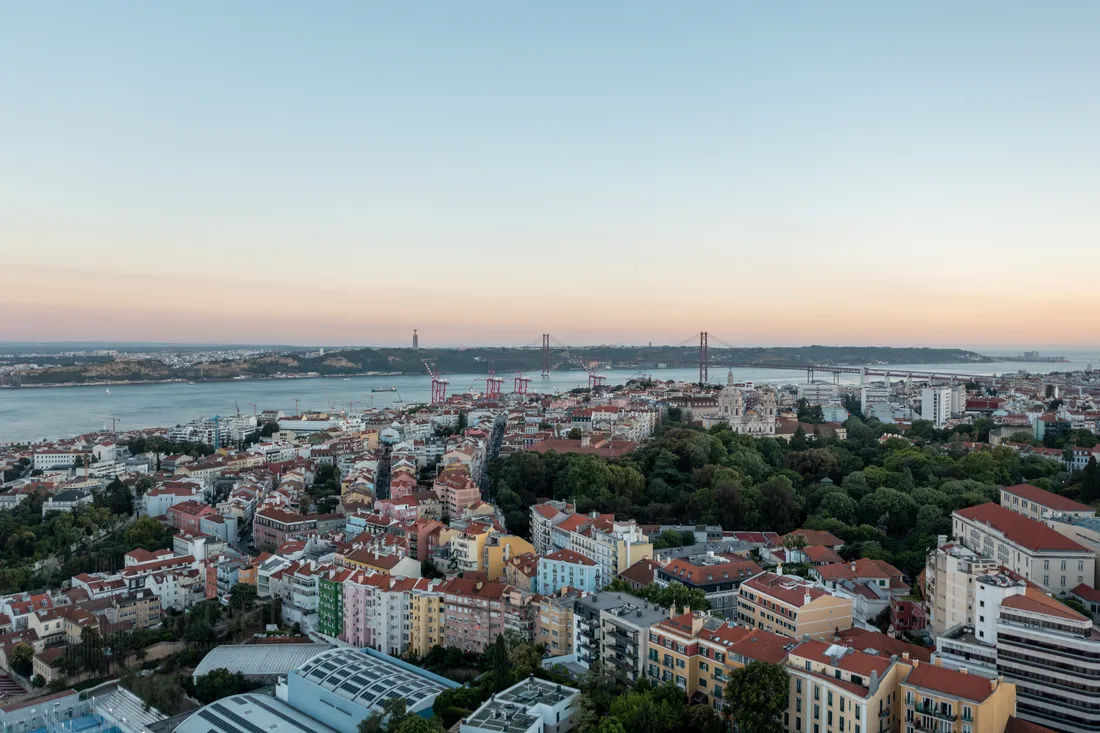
(853, 567)
(585, 441)
(939, 662)
(779, 569)
(806, 599)
(964, 670)
(905, 656)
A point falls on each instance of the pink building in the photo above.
(188, 516)
(456, 489)
(475, 613)
(402, 484)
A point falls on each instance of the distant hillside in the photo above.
(478, 360)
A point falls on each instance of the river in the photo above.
(31, 414)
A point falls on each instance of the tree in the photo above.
(574, 434)
(795, 544)
(500, 667)
(22, 659)
(219, 683)
(756, 697)
(1090, 481)
(639, 711)
(243, 596)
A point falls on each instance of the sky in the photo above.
(773, 173)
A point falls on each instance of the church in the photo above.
(752, 412)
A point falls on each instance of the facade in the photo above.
(624, 638)
(949, 572)
(566, 569)
(554, 624)
(1040, 504)
(733, 411)
(275, 526)
(953, 701)
(1025, 546)
(793, 607)
(935, 405)
(474, 613)
(613, 545)
(330, 602)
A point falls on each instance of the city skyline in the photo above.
(623, 173)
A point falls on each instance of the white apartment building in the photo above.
(1036, 503)
(935, 405)
(819, 393)
(1025, 546)
(55, 458)
(949, 575)
(613, 545)
(1050, 652)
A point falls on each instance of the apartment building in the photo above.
(554, 624)
(474, 613)
(944, 700)
(273, 526)
(427, 616)
(1048, 650)
(792, 606)
(566, 569)
(624, 639)
(836, 688)
(1025, 546)
(613, 545)
(718, 576)
(935, 405)
(949, 573)
(588, 627)
(1036, 503)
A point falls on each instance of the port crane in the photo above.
(439, 386)
(493, 384)
(113, 420)
(595, 381)
(520, 383)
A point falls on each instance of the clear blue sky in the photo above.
(625, 171)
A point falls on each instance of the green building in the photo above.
(330, 603)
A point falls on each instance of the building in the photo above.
(341, 687)
(67, 501)
(834, 687)
(718, 576)
(566, 569)
(819, 393)
(273, 527)
(953, 701)
(554, 624)
(330, 601)
(1040, 504)
(1025, 546)
(474, 613)
(530, 706)
(260, 662)
(949, 573)
(613, 545)
(935, 405)
(624, 637)
(793, 607)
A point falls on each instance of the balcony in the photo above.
(935, 711)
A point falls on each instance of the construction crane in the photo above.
(255, 408)
(439, 386)
(493, 384)
(520, 383)
(595, 380)
(238, 408)
(114, 422)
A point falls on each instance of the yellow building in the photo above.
(792, 606)
(835, 688)
(426, 619)
(498, 549)
(468, 546)
(952, 701)
(554, 624)
(698, 653)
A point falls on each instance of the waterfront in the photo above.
(34, 414)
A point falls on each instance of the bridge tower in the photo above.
(704, 358)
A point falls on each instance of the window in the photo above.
(798, 686)
(1046, 564)
(704, 666)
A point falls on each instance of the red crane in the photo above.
(520, 383)
(439, 386)
(493, 385)
(594, 380)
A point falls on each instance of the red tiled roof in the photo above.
(641, 572)
(791, 591)
(865, 640)
(851, 661)
(1046, 498)
(685, 571)
(1016, 725)
(1035, 601)
(815, 537)
(1022, 530)
(821, 554)
(571, 557)
(1087, 592)
(950, 682)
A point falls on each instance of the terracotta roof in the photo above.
(1087, 592)
(1046, 498)
(791, 591)
(950, 682)
(851, 660)
(641, 572)
(815, 537)
(754, 644)
(821, 554)
(571, 557)
(736, 570)
(1035, 601)
(865, 640)
(1022, 530)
